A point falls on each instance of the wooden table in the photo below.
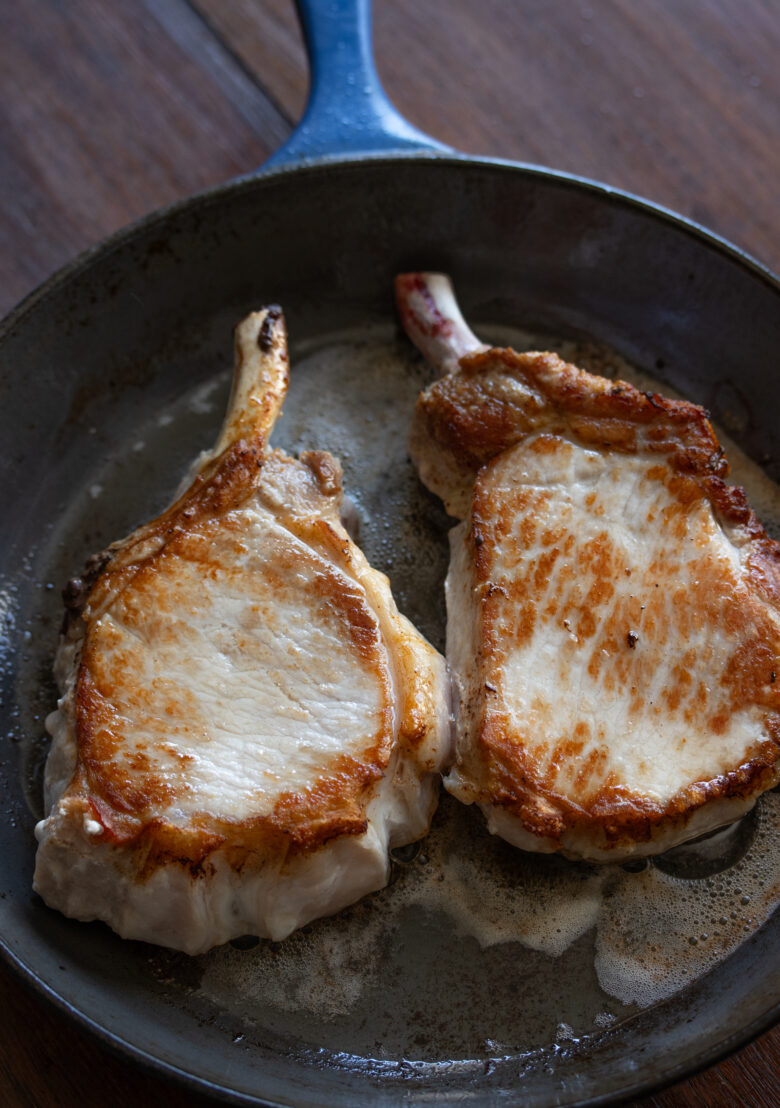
(110, 109)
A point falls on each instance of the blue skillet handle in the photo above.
(348, 111)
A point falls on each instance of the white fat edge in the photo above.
(61, 723)
(328, 954)
(329, 949)
(628, 979)
(89, 881)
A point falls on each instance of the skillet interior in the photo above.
(87, 363)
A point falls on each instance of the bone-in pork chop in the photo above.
(613, 606)
(247, 723)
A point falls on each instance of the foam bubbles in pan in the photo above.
(584, 946)
(658, 931)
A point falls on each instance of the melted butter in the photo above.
(586, 945)
(657, 932)
(475, 951)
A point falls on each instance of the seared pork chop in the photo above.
(247, 723)
(613, 606)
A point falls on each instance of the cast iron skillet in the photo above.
(91, 359)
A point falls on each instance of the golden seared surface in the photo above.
(620, 641)
(496, 398)
(239, 677)
(613, 606)
(626, 656)
(247, 722)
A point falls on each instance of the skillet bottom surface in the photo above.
(480, 973)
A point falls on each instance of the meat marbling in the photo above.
(247, 723)
(613, 605)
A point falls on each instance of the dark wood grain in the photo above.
(46, 1061)
(669, 100)
(676, 102)
(109, 110)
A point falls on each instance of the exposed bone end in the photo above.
(260, 379)
(260, 723)
(432, 319)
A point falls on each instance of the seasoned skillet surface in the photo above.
(40, 244)
(135, 444)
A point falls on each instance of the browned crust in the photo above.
(477, 413)
(223, 484)
(326, 470)
(123, 789)
(614, 813)
(504, 775)
(300, 823)
(474, 416)
(123, 800)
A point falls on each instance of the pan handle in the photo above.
(348, 111)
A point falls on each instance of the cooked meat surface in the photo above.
(613, 606)
(247, 723)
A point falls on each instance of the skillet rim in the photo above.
(103, 249)
(105, 246)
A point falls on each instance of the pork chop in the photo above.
(613, 606)
(247, 723)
